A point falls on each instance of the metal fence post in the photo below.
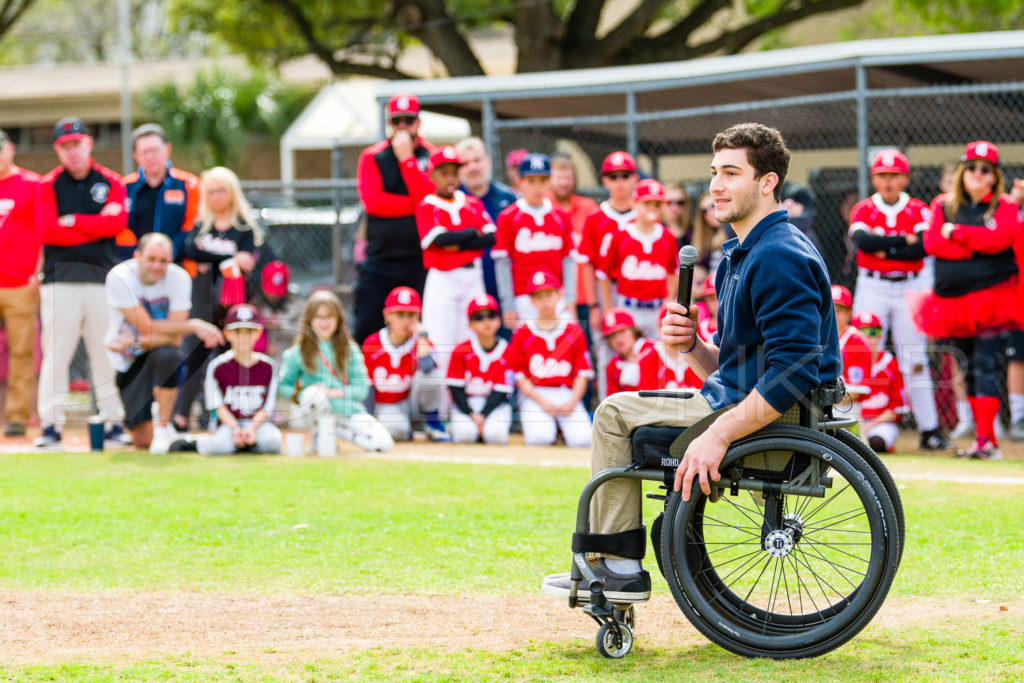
(631, 134)
(862, 131)
(490, 135)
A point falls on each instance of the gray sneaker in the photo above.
(617, 587)
(1017, 430)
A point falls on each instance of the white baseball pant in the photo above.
(427, 390)
(496, 425)
(541, 429)
(646, 319)
(362, 429)
(887, 432)
(446, 295)
(222, 441)
(887, 300)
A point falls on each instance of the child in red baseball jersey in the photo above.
(241, 385)
(642, 259)
(853, 345)
(885, 402)
(454, 230)
(532, 236)
(670, 369)
(707, 310)
(403, 371)
(549, 356)
(624, 372)
(478, 378)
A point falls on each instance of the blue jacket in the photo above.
(176, 208)
(776, 324)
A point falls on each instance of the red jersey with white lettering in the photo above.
(886, 389)
(391, 368)
(624, 375)
(598, 231)
(906, 216)
(853, 346)
(534, 238)
(641, 262)
(436, 215)
(244, 391)
(549, 358)
(670, 371)
(479, 372)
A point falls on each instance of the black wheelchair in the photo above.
(791, 554)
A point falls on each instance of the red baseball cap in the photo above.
(709, 285)
(403, 299)
(515, 157)
(981, 149)
(542, 280)
(403, 105)
(841, 296)
(242, 315)
(890, 161)
(443, 155)
(863, 319)
(648, 190)
(616, 319)
(276, 276)
(618, 161)
(481, 302)
(69, 128)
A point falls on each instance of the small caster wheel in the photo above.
(626, 616)
(613, 642)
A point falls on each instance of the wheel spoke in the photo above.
(814, 543)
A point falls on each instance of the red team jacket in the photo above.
(640, 263)
(907, 216)
(435, 216)
(550, 358)
(534, 239)
(477, 371)
(391, 368)
(886, 389)
(19, 237)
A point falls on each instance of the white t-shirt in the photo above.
(124, 289)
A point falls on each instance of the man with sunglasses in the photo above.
(391, 179)
(887, 229)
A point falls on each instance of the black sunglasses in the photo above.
(481, 316)
(983, 169)
(677, 202)
(619, 176)
(403, 120)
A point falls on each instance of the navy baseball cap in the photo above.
(69, 128)
(535, 164)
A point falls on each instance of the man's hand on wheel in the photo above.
(702, 458)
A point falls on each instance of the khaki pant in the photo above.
(71, 311)
(616, 505)
(19, 307)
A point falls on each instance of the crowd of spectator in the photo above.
(478, 305)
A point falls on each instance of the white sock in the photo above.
(963, 410)
(1016, 407)
(623, 566)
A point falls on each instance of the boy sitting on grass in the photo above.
(241, 386)
(552, 365)
(885, 402)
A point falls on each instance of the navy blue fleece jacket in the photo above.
(776, 325)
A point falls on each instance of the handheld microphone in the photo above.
(687, 259)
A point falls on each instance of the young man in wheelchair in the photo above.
(776, 340)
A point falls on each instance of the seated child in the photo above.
(323, 372)
(670, 368)
(403, 370)
(856, 352)
(624, 339)
(885, 401)
(549, 356)
(707, 310)
(241, 385)
(478, 378)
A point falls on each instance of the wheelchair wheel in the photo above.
(865, 451)
(794, 569)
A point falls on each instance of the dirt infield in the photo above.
(47, 626)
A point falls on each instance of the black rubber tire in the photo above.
(728, 622)
(850, 439)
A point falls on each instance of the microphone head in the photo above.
(688, 256)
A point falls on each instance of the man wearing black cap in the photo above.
(392, 180)
(80, 208)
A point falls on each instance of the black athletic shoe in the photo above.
(14, 429)
(617, 587)
(934, 440)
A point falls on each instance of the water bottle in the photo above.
(326, 438)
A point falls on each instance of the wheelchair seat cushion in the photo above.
(650, 446)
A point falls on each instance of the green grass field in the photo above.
(252, 525)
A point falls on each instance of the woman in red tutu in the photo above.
(971, 234)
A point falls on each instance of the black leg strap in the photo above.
(630, 544)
